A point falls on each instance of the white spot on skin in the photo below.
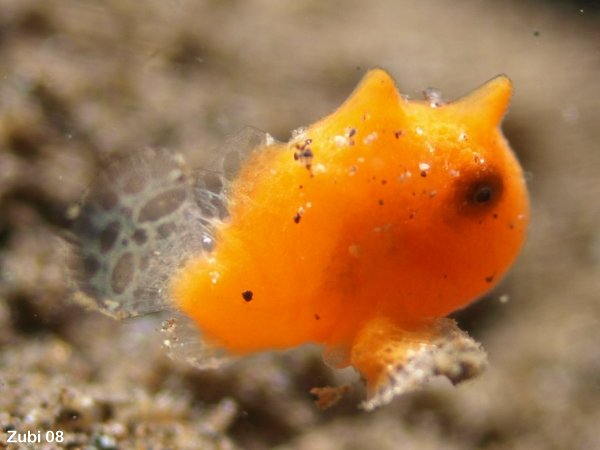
(382, 228)
(320, 168)
(360, 159)
(453, 173)
(462, 137)
(340, 141)
(424, 167)
(299, 214)
(214, 277)
(405, 176)
(371, 137)
(419, 131)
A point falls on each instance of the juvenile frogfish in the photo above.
(360, 234)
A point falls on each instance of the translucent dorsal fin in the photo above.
(239, 147)
(141, 220)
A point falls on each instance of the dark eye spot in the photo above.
(478, 190)
(483, 194)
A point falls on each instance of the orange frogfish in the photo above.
(360, 234)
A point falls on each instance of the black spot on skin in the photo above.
(304, 153)
(495, 216)
(297, 218)
(478, 190)
(384, 182)
(423, 173)
(317, 317)
(380, 201)
(352, 132)
(397, 134)
(307, 153)
(247, 296)
(489, 279)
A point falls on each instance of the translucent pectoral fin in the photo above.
(183, 341)
(398, 358)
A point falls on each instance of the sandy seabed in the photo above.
(83, 81)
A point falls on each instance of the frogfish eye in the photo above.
(483, 194)
(478, 190)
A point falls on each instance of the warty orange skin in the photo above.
(379, 218)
